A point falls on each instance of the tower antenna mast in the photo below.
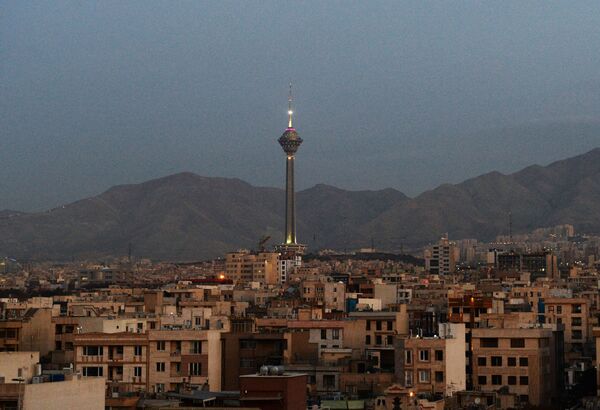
(290, 111)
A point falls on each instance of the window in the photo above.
(559, 310)
(160, 366)
(576, 321)
(160, 346)
(512, 380)
(481, 361)
(368, 324)
(247, 344)
(408, 356)
(512, 361)
(439, 377)
(378, 325)
(335, 334)
(329, 381)
(439, 355)
(368, 339)
(424, 355)
(577, 334)
(137, 371)
(482, 380)
(195, 369)
(93, 351)
(160, 387)
(523, 361)
(137, 350)
(424, 376)
(516, 343)
(323, 334)
(390, 340)
(523, 380)
(496, 379)
(196, 347)
(248, 363)
(496, 361)
(577, 308)
(408, 378)
(390, 325)
(378, 340)
(93, 371)
(489, 342)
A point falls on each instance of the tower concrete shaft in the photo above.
(290, 202)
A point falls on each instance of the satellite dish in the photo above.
(477, 400)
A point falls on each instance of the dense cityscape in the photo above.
(411, 222)
(463, 324)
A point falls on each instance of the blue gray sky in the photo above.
(406, 95)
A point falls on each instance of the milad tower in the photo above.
(291, 251)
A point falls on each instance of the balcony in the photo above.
(92, 359)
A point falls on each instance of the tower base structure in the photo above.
(289, 259)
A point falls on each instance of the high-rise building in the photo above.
(291, 251)
(246, 266)
(441, 258)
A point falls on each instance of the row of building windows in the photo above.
(379, 340)
(195, 348)
(335, 334)
(378, 325)
(496, 380)
(423, 356)
(423, 376)
(492, 342)
(496, 361)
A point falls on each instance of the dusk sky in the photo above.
(407, 95)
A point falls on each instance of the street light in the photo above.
(19, 380)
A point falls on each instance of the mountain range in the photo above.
(186, 217)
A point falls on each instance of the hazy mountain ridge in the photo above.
(186, 216)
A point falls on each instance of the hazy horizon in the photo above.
(407, 96)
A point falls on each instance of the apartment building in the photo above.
(121, 358)
(244, 353)
(527, 361)
(245, 266)
(433, 364)
(31, 330)
(330, 295)
(441, 258)
(156, 361)
(373, 334)
(573, 314)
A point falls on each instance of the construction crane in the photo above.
(262, 242)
